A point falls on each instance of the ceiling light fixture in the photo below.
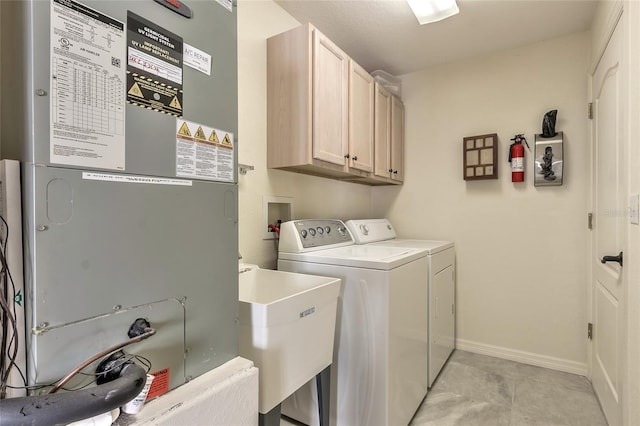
(428, 11)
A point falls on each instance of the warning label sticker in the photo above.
(200, 154)
(160, 384)
(154, 66)
(147, 93)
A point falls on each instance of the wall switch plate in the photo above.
(634, 209)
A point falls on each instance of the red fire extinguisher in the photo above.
(516, 158)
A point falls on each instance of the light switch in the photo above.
(634, 209)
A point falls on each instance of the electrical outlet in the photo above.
(634, 209)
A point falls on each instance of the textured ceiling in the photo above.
(384, 34)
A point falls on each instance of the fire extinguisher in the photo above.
(516, 158)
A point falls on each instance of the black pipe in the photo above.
(67, 407)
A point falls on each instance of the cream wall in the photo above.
(521, 250)
(312, 196)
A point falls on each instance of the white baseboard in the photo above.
(524, 357)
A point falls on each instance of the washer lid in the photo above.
(431, 246)
(364, 256)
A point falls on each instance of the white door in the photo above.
(609, 236)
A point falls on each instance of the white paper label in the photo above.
(87, 87)
(517, 164)
(227, 4)
(196, 59)
(154, 65)
(150, 180)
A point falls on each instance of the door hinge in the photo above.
(590, 220)
(590, 110)
(590, 331)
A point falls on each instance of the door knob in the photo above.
(617, 258)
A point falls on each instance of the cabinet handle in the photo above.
(346, 156)
(395, 172)
(355, 158)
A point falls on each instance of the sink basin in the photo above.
(287, 324)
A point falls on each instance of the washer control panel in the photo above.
(366, 231)
(302, 235)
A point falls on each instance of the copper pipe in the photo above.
(148, 332)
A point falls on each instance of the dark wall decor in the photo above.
(480, 157)
(549, 153)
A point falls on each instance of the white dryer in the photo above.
(379, 370)
(440, 283)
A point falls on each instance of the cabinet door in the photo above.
(360, 118)
(382, 132)
(397, 139)
(330, 94)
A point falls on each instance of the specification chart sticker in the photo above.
(87, 87)
(203, 152)
(154, 66)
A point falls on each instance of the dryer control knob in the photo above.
(364, 229)
(303, 233)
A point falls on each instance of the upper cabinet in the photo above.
(388, 136)
(360, 118)
(330, 83)
(320, 109)
(397, 139)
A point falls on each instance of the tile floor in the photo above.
(477, 390)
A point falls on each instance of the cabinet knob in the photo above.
(395, 172)
(355, 158)
(346, 156)
(390, 170)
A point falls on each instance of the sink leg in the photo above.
(272, 418)
(323, 384)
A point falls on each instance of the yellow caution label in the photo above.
(135, 91)
(214, 137)
(175, 103)
(200, 134)
(226, 140)
(184, 130)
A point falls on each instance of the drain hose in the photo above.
(67, 407)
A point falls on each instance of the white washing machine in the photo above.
(441, 284)
(379, 370)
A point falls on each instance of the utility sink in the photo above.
(287, 325)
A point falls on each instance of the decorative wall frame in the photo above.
(480, 157)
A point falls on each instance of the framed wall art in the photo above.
(480, 157)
